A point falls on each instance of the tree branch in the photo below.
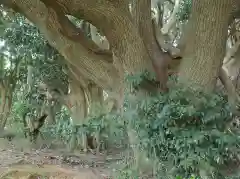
(68, 29)
(75, 74)
(92, 66)
(115, 23)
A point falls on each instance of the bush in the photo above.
(109, 126)
(187, 131)
(61, 130)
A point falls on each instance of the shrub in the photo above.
(187, 131)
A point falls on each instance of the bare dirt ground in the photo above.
(18, 160)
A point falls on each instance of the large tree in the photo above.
(131, 49)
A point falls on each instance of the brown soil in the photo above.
(20, 161)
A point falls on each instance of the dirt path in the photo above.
(25, 163)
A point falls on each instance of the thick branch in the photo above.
(68, 29)
(74, 73)
(160, 61)
(114, 22)
(92, 66)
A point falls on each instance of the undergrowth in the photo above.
(187, 131)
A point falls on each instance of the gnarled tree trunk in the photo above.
(96, 98)
(5, 106)
(7, 86)
(51, 111)
(206, 42)
(160, 60)
(77, 105)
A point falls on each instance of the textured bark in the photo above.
(5, 106)
(160, 60)
(96, 93)
(114, 103)
(7, 86)
(91, 65)
(111, 18)
(96, 106)
(207, 35)
(74, 72)
(80, 35)
(51, 115)
(76, 103)
(121, 33)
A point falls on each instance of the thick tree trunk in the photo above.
(206, 42)
(160, 60)
(96, 99)
(77, 104)
(51, 114)
(119, 29)
(141, 11)
(96, 93)
(5, 107)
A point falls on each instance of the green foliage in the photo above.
(27, 39)
(23, 41)
(19, 108)
(62, 130)
(188, 131)
(137, 79)
(109, 126)
(191, 177)
(27, 42)
(185, 10)
(128, 174)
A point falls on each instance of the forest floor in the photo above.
(18, 160)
